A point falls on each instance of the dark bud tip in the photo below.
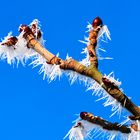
(134, 117)
(39, 34)
(79, 124)
(23, 28)
(83, 115)
(13, 39)
(97, 22)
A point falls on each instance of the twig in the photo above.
(105, 124)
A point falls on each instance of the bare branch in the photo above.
(73, 65)
(104, 124)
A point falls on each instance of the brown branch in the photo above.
(106, 124)
(91, 72)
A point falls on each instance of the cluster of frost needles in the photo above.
(103, 35)
(90, 131)
(18, 52)
(98, 91)
(49, 71)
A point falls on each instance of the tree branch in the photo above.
(93, 37)
(73, 65)
(104, 124)
(91, 72)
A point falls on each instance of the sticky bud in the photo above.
(83, 115)
(11, 41)
(23, 28)
(97, 22)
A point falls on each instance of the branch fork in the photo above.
(32, 35)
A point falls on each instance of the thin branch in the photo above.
(90, 126)
(104, 124)
(93, 37)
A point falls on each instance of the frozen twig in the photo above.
(90, 127)
(70, 64)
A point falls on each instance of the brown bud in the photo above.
(83, 115)
(97, 22)
(134, 127)
(78, 124)
(39, 34)
(33, 26)
(23, 27)
(11, 41)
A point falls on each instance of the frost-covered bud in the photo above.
(26, 30)
(11, 41)
(23, 28)
(97, 22)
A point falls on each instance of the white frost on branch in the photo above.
(85, 61)
(84, 130)
(16, 53)
(103, 35)
(49, 71)
(19, 52)
(7, 52)
(112, 79)
(36, 22)
(97, 90)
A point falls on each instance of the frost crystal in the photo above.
(36, 30)
(97, 90)
(48, 70)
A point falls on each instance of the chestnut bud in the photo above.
(13, 40)
(97, 22)
(83, 115)
(24, 28)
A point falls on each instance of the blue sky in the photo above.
(33, 109)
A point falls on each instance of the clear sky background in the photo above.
(33, 109)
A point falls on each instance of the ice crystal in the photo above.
(36, 22)
(49, 71)
(97, 90)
